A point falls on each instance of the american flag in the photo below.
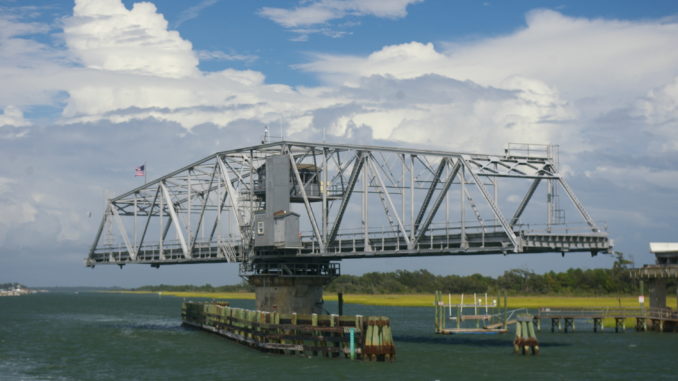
(139, 171)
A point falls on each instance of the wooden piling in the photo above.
(525, 341)
(619, 324)
(555, 325)
(597, 324)
(568, 324)
(340, 302)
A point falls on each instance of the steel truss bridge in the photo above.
(352, 201)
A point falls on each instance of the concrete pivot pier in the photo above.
(302, 295)
(287, 294)
(290, 287)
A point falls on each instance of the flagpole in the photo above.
(145, 170)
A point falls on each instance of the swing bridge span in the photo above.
(291, 208)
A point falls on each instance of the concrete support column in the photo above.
(657, 293)
(300, 294)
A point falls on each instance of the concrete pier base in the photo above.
(300, 294)
(658, 293)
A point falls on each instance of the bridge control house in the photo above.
(658, 275)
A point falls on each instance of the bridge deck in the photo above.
(354, 247)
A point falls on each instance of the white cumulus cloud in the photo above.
(218, 55)
(136, 68)
(580, 57)
(12, 116)
(659, 109)
(193, 12)
(105, 35)
(637, 177)
(321, 11)
(15, 211)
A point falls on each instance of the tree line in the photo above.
(516, 281)
(242, 287)
(613, 281)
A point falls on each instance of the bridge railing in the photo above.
(169, 249)
(559, 228)
(291, 269)
(382, 239)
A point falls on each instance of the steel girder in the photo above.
(410, 202)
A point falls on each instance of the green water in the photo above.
(92, 336)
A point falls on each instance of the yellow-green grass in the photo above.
(191, 294)
(426, 300)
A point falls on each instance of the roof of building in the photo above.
(664, 247)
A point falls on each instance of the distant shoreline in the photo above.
(20, 291)
(426, 300)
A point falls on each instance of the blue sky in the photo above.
(238, 27)
(92, 89)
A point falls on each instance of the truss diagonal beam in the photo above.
(439, 199)
(123, 232)
(220, 210)
(495, 209)
(309, 210)
(524, 201)
(579, 205)
(175, 220)
(429, 194)
(206, 196)
(390, 202)
(148, 220)
(232, 194)
(104, 218)
(348, 191)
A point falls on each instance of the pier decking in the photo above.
(654, 319)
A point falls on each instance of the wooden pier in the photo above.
(495, 319)
(646, 319)
(354, 337)
(488, 318)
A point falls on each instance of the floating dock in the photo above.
(354, 337)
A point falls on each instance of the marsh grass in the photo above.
(426, 300)
(190, 294)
